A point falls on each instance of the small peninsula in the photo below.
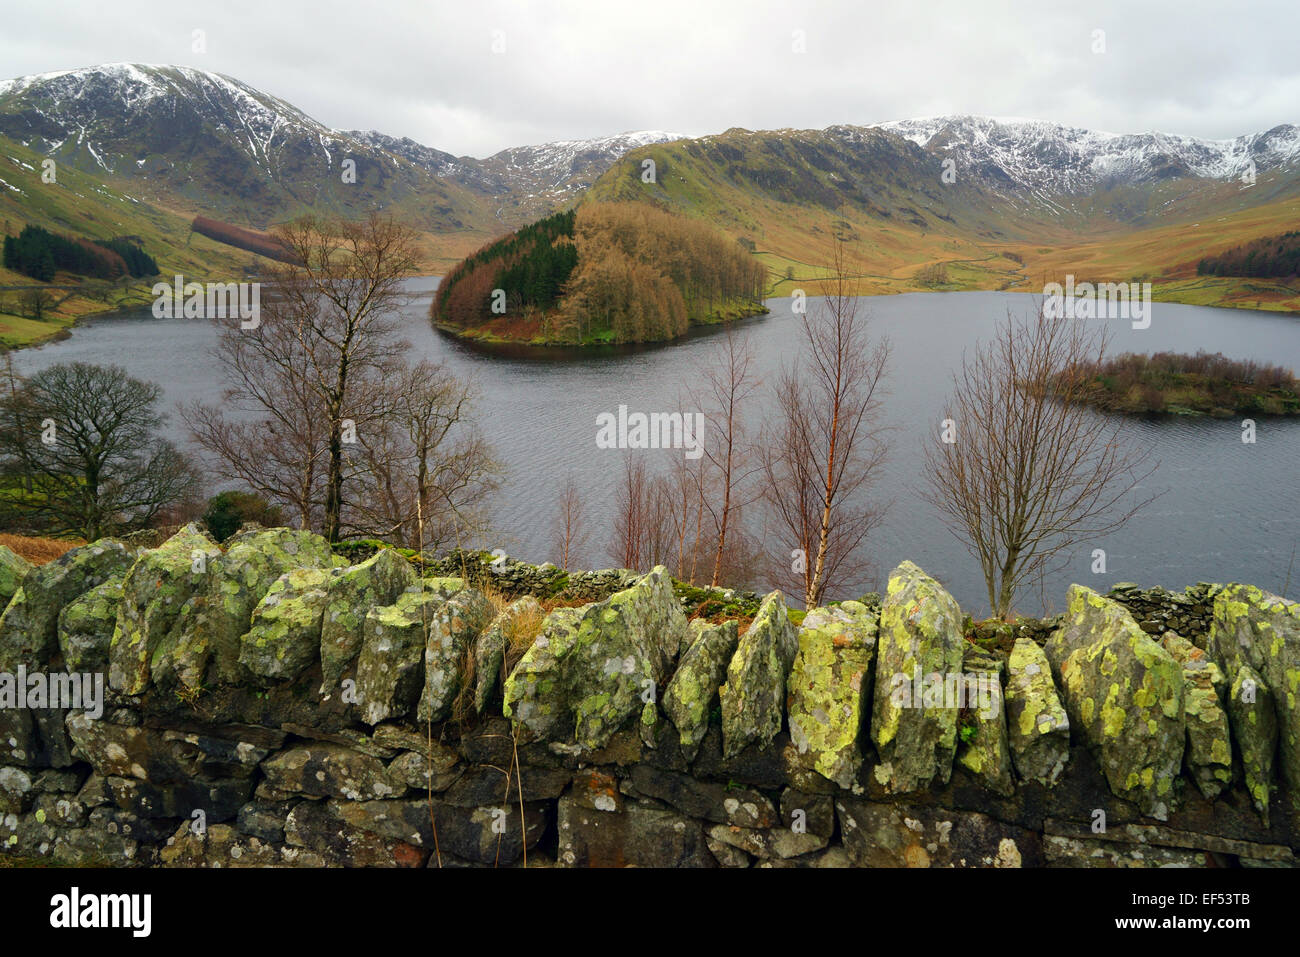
(604, 273)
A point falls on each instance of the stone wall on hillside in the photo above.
(267, 703)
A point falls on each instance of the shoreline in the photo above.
(491, 344)
(64, 329)
(494, 345)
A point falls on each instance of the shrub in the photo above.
(227, 511)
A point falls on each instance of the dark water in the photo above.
(1228, 512)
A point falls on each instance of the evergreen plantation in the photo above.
(1276, 257)
(39, 253)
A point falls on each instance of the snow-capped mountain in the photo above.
(213, 143)
(435, 161)
(126, 112)
(216, 142)
(569, 165)
(199, 138)
(1050, 158)
(547, 174)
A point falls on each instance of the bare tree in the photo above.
(570, 525)
(423, 474)
(86, 440)
(729, 383)
(312, 392)
(342, 295)
(1031, 471)
(821, 455)
(37, 302)
(269, 433)
(631, 515)
(667, 528)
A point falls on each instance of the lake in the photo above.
(1228, 512)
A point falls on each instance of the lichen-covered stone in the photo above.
(283, 637)
(16, 790)
(13, 569)
(205, 644)
(331, 770)
(1253, 715)
(635, 836)
(896, 835)
(117, 751)
(154, 592)
(1124, 693)
(1209, 742)
(86, 627)
(1038, 728)
(726, 855)
(492, 836)
(390, 668)
(491, 646)
(376, 582)
(982, 746)
(776, 843)
(1062, 851)
(829, 689)
(712, 801)
(814, 813)
(434, 769)
(591, 671)
(220, 800)
(693, 690)
(535, 694)
(451, 636)
(753, 697)
(830, 857)
(920, 646)
(325, 829)
(1257, 628)
(18, 741)
(220, 845)
(29, 625)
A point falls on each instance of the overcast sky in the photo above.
(573, 69)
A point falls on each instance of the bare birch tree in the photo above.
(320, 410)
(631, 514)
(1031, 471)
(729, 382)
(825, 447)
(570, 525)
(426, 474)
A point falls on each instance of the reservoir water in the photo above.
(1228, 512)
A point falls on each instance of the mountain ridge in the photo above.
(996, 200)
(1022, 152)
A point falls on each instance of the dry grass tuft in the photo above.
(39, 551)
(521, 630)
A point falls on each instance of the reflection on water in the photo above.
(1227, 512)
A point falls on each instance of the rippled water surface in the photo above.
(1228, 510)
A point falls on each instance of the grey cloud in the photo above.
(577, 69)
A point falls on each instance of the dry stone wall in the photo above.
(268, 702)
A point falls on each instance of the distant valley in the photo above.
(944, 203)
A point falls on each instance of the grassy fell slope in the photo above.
(81, 204)
(792, 192)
